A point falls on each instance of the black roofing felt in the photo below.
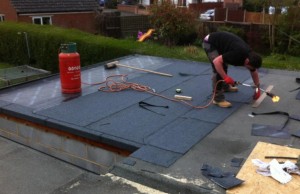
(298, 96)
(180, 135)
(213, 114)
(270, 131)
(23, 112)
(158, 135)
(4, 103)
(156, 156)
(52, 6)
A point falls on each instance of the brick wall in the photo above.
(8, 11)
(81, 21)
(128, 8)
(238, 2)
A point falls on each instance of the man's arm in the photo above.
(255, 78)
(218, 63)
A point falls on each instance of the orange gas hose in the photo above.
(117, 83)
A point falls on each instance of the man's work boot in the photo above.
(219, 97)
(222, 103)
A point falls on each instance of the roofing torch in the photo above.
(273, 96)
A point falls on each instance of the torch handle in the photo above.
(248, 85)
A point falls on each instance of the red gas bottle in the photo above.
(69, 67)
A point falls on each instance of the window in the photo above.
(42, 20)
(1, 18)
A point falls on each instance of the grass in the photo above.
(5, 65)
(196, 53)
(276, 61)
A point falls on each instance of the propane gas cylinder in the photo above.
(69, 67)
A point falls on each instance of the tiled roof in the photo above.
(52, 6)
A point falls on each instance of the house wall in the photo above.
(80, 21)
(8, 11)
(239, 2)
(176, 2)
(84, 21)
(128, 8)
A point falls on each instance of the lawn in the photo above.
(196, 53)
(5, 65)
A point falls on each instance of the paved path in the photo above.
(27, 171)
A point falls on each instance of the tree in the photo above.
(173, 25)
(289, 31)
(276, 18)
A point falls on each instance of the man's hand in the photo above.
(256, 94)
(228, 80)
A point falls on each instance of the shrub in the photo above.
(44, 43)
(173, 25)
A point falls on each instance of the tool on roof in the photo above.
(285, 157)
(282, 157)
(273, 96)
(180, 97)
(178, 91)
(192, 74)
(115, 64)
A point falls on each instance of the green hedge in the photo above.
(44, 43)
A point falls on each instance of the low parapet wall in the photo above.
(83, 153)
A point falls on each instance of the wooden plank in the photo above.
(262, 97)
(256, 183)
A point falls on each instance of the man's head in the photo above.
(255, 60)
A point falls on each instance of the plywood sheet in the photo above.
(256, 183)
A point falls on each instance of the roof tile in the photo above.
(46, 6)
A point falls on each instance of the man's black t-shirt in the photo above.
(233, 49)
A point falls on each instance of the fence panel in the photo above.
(130, 25)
